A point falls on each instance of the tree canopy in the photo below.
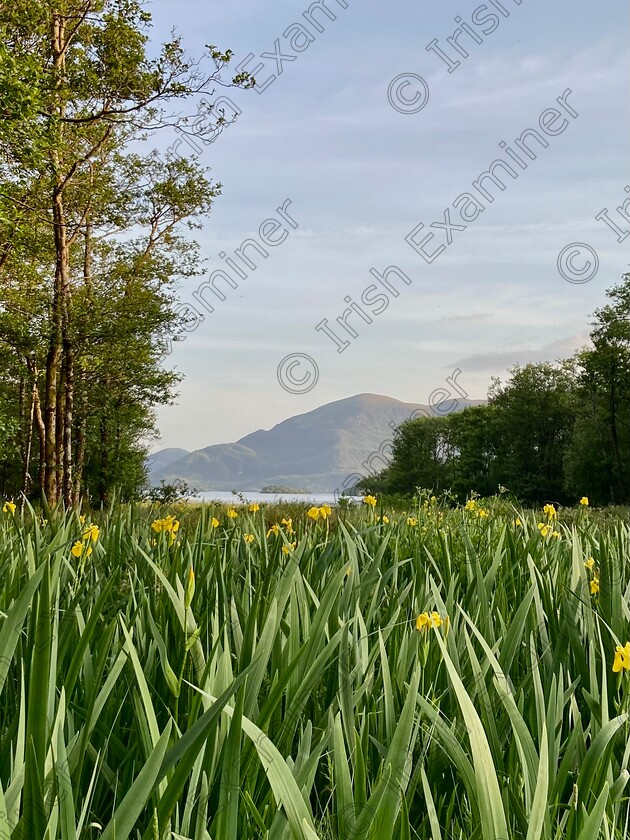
(95, 232)
(552, 432)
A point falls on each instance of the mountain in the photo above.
(318, 451)
(158, 460)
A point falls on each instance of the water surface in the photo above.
(255, 496)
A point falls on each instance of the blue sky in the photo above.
(360, 175)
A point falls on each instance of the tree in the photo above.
(421, 456)
(535, 413)
(598, 460)
(517, 440)
(473, 433)
(91, 230)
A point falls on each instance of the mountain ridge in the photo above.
(316, 451)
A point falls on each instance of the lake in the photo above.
(228, 497)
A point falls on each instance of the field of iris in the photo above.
(443, 673)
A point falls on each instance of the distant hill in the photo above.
(161, 459)
(316, 451)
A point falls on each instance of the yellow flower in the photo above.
(214, 522)
(518, 522)
(622, 658)
(426, 620)
(77, 548)
(174, 525)
(325, 511)
(91, 533)
(232, 514)
(589, 563)
(369, 500)
(254, 507)
(286, 549)
(584, 501)
(544, 529)
(550, 511)
(82, 519)
(411, 520)
(9, 507)
(595, 586)
(275, 529)
(313, 513)
(249, 538)
(169, 525)
(288, 524)
(471, 504)
(422, 621)
(481, 513)
(383, 519)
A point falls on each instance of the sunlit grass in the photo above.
(266, 674)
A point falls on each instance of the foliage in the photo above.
(95, 233)
(548, 430)
(198, 673)
(167, 494)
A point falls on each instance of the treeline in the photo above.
(94, 235)
(551, 432)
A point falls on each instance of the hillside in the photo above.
(316, 451)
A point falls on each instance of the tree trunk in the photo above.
(61, 402)
(104, 465)
(26, 484)
(50, 422)
(79, 463)
(54, 360)
(68, 424)
(39, 421)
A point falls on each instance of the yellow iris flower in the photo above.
(426, 620)
(622, 658)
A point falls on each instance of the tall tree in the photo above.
(598, 459)
(91, 231)
(535, 413)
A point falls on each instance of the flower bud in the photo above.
(190, 588)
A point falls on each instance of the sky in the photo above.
(336, 171)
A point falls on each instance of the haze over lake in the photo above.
(255, 496)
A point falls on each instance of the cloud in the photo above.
(502, 359)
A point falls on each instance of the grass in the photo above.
(282, 689)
